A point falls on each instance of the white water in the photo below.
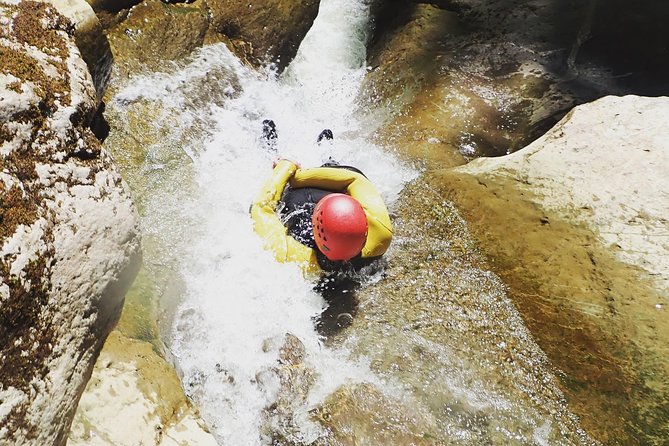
(238, 302)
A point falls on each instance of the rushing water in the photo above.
(238, 303)
(202, 163)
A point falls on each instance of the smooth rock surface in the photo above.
(69, 237)
(604, 165)
(134, 397)
(467, 78)
(271, 31)
(575, 225)
(155, 32)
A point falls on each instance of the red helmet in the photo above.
(340, 226)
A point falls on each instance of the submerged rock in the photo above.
(362, 414)
(69, 234)
(460, 365)
(576, 225)
(293, 380)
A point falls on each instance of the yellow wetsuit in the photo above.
(286, 248)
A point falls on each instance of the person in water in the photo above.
(328, 218)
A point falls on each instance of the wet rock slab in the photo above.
(575, 225)
(458, 364)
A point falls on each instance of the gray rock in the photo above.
(69, 237)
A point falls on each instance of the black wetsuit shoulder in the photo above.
(297, 207)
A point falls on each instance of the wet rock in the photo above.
(574, 225)
(294, 380)
(362, 414)
(132, 386)
(90, 40)
(487, 77)
(441, 327)
(270, 31)
(69, 234)
(405, 61)
(292, 351)
(155, 32)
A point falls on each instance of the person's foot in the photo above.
(325, 134)
(269, 133)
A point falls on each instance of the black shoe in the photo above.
(325, 134)
(269, 133)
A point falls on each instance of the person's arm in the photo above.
(380, 229)
(268, 225)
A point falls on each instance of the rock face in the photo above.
(258, 33)
(272, 29)
(576, 225)
(69, 236)
(485, 78)
(605, 165)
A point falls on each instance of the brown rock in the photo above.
(484, 78)
(155, 32)
(272, 29)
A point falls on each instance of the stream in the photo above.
(227, 306)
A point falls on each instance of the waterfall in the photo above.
(237, 302)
